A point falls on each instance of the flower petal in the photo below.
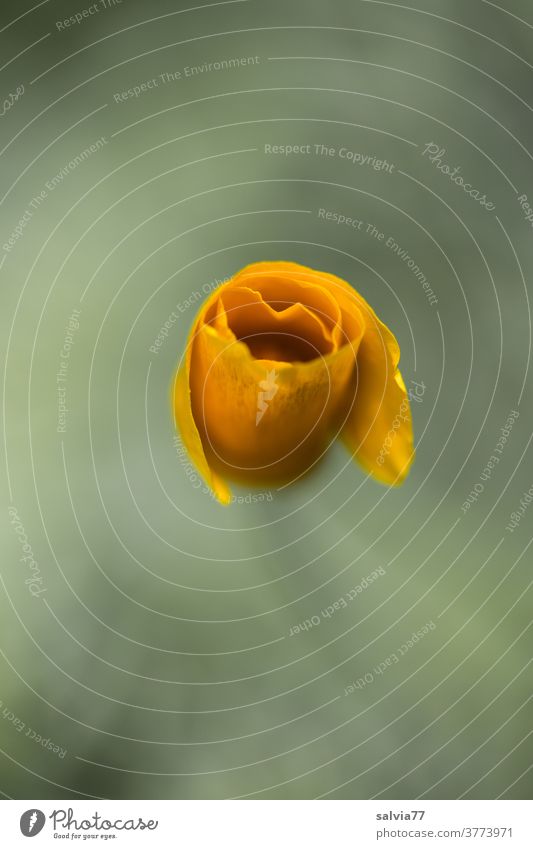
(280, 415)
(280, 283)
(181, 402)
(379, 429)
(294, 333)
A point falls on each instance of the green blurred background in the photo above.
(152, 655)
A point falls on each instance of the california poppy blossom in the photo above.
(280, 360)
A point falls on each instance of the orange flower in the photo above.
(280, 360)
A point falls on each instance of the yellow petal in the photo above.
(181, 397)
(293, 333)
(265, 420)
(379, 428)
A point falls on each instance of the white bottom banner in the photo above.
(264, 824)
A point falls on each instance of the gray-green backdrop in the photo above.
(153, 643)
